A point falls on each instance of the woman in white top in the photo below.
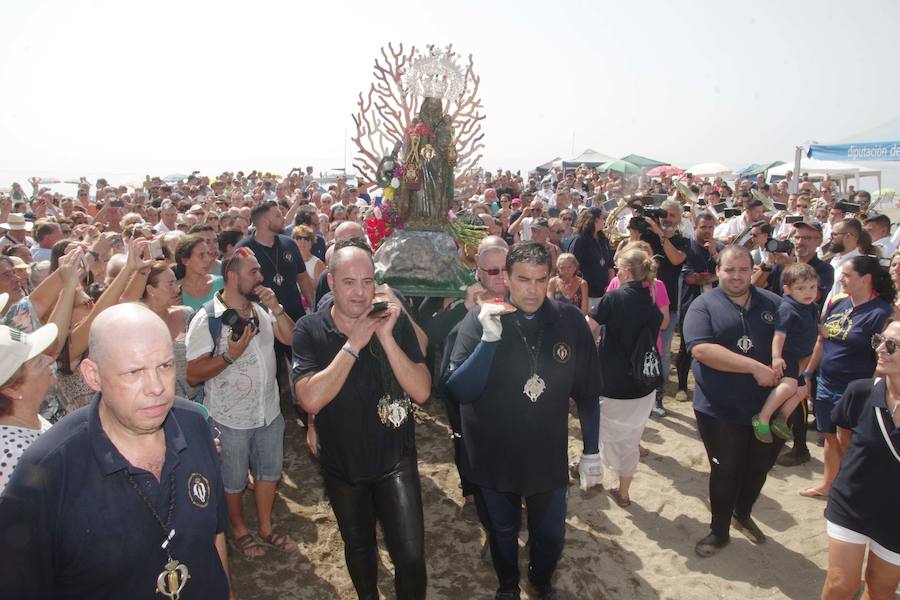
(305, 237)
(25, 378)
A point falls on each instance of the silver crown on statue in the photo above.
(435, 74)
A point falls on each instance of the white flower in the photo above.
(395, 183)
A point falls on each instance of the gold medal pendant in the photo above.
(534, 387)
(172, 580)
(394, 412)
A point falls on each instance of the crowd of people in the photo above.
(153, 336)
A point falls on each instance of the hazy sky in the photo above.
(127, 87)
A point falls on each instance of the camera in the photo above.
(237, 323)
(638, 223)
(782, 246)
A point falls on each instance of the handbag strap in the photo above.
(880, 418)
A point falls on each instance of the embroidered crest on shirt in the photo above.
(198, 490)
(561, 352)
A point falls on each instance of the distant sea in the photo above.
(890, 177)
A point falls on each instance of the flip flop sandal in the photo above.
(622, 502)
(780, 428)
(813, 493)
(279, 541)
(762, 431)
(248, 546)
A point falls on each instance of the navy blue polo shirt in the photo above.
(714, 319)
(799, 323)
(847, 353)
(282, 257)
(72, 526)
(823, 269)
(864, 495)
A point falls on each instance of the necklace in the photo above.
(744, 343)
(534, 386)
(278, 278)
(175, 575)
(27, 424)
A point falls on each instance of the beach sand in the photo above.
(643, 552)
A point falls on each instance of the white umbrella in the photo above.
(175, 177)
(709, 169)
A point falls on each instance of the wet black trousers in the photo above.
(394, 499)
(738, 464)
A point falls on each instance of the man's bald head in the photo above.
(348, 229)
(118, 324)
(491, 241)
(345, 254)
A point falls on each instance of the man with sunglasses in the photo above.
(241, 393)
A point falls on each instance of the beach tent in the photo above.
(643, 161)
(755, 169)
(834, 169)
(590, 158)
(543, 169)
(880, 143)
(710, 169)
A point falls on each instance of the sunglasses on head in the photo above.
(492, 272)
(889, 344)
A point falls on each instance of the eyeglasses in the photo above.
(305, 238)
(559, 231)
(889, 344)
(839, 233)
(492, 272)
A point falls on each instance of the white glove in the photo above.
(590, 471)
(489, 316)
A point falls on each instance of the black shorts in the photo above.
(792, 367)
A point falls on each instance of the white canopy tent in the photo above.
(589, 158)
(709, 169)
(831, 168)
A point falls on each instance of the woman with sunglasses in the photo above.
(843, 352)
(305, 237)
(863, 500)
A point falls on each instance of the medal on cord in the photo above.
(534, 386)
(175, 575)
(278, 279)
(744, 343)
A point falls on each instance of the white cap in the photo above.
(17, 348)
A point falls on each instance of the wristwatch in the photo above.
(227, 358)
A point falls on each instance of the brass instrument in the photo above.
(684, 194)
(609, 226)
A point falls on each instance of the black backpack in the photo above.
(645, 363)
